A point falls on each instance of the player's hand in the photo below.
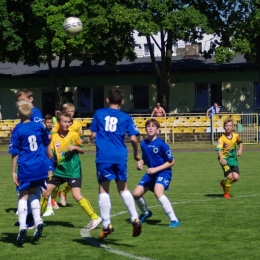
(223, 162)
(239, 153)
(139, 165)
(15, 179)
(137, 157)
(71, 147)
(151, 170)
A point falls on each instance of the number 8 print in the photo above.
(33, 143)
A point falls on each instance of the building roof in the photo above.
(140, 65)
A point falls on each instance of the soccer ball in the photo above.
(72, 26)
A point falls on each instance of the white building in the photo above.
(142, 50)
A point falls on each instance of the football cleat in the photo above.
(137, 228)
(106, 231)
(21, 237)
(144, 216)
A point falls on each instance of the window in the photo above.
(140, 98)
(207, 94)
(91, 98)
(146, 49)
(257, 94)
(174, 48)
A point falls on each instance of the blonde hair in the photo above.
(227, 121)
(67, 105)
(24, 108)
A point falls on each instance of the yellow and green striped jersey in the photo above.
(68, 163)
(228, 148)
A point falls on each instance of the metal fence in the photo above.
(194, 127)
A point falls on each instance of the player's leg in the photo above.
(84, 204)
(166, 204)
(121, 179)
(104, 203)
(35, 206)
(140, 190)
(63, 194)
(45, 195)
(22, 214)
(54, 198)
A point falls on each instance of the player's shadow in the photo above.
(13, 210)
(10, 238)
(213, 195)
(58, 223)
(147, 221)
(95, 242)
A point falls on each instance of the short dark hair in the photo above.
(47, 117)
(26, 92)
(115, 96)
(152, 121)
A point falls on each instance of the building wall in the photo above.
(237, 89)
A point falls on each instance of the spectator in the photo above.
(215, 109)
(158, 111)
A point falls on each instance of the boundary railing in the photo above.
(175, 125)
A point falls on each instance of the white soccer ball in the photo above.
(72, 26)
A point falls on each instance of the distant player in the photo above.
(158, 157)
(28, 146)
(109, 127)
(65, 147)
(68, 108)
(227, 156)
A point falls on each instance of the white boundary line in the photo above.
(86, 233)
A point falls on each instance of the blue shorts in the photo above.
(149, 180)
(26, 185)
(110, 171)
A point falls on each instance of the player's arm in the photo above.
(93, 135)
(220, 156)
(153, 113)
(14, 166)
(162, 167)
(49, 152)
(76, 148)
(134, 143)
(240, 148)
(208, 112)
(164, 114)
(139, 165)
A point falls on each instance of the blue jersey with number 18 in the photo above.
(29, 141)
(111, 126)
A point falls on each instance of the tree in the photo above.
(173, 21)
(36, 35)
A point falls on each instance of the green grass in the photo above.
(211, 228)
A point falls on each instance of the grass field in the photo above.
(211, 227)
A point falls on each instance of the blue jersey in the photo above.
(156, 153)
(36, 115)
(111, 126)
(29, 142)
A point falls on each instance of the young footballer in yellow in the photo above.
(66, 146)
(68, 108)
(227, 155)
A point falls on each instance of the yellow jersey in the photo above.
(228, 148)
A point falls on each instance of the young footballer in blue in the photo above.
(36, 116)
(28, 146)
(109, 127)
(158, 158)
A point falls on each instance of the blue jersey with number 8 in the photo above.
(111, 126)
(29, 141)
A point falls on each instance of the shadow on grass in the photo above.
(100, 243)
(11, 210)
(58, 223)
(213, 195)
(10, 238)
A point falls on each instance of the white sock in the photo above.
(105, 207)
(49, 206)
(141, 204)
(130, 204)
(35, 205)
(22, 213)
(167, 207)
